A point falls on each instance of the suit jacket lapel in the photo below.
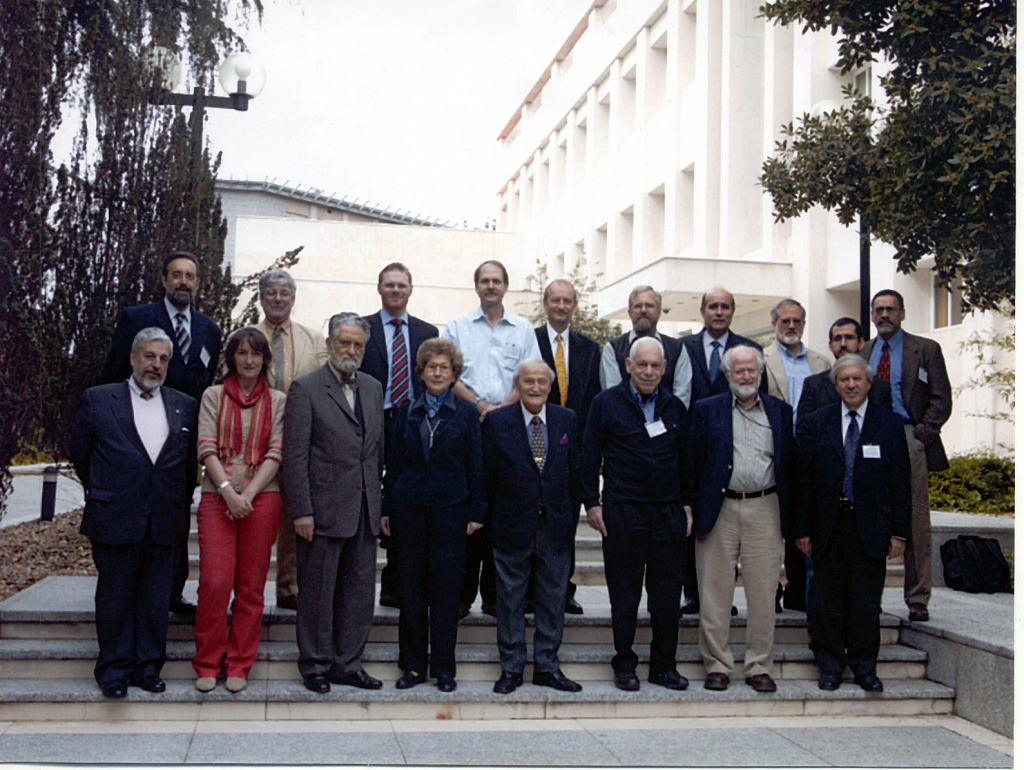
(198, 336)
(835, 431)
(778, 371)
(576, 363)
(174, 426)
(333, 388)
(697, 342)
(523, 439)
(121, 404)
(168, 326)
(380, 340)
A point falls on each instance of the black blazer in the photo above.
(124, 489)
(712, 450)
(702, 387)
(881, 485)
(376, 356)
(517, 491)
(819, 391)
(584, 373)
(450, 473)
(190, 377)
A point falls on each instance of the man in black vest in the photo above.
(644, 311)
(704, 351)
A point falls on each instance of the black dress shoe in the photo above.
(734, 612)
(507, 683)
(690, 607)
(761, 683)
(918, 612)
(671, 679)
(116, 691)
(409, 679)
(627, 680)
(716, 680)
(446, 683)
(317, 683)
(288, 602)
(869, 683)
(463, 610)
(573, 607)
(829, 680)
(557, 681)
(529, 609)
(150, 684)
(181, 607)
(387, 600)
(489, 609)
(359, 679)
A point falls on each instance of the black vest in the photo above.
(673, 347)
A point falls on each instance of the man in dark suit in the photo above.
(576, 362)
(132, 444)
(852, 510)
(530, 466)
(390, 358)
(741, 443)
(705, 350)
(197, 341)
(921, 395)
(333, 462)
(639, 431)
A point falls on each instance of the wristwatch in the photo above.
(222, 486)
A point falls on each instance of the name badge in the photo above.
(204, 356)
(922, 375)
(655, 428)
(872, 452)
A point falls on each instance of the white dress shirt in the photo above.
(150, 419)
(845, 417)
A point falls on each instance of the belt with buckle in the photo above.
(748, 495)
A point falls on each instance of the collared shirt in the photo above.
(646, 407)
(288, 346)
(528, 417)
(797, 369)
(491, 353)
(753, 448)
(553, 339)
(150, 419)
(389, 338)
(708, 342)
(845, 417)
(681, 380)
(172, 311)
(348, 386)
(434, 403)
(895, 369)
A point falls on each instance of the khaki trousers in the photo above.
(747, 531)
(917, 559)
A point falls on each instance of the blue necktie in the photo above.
(850, 447)
(714, 365)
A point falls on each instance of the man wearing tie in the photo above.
(852, 510)
(390, 358)
(297, 350)
(193, 365)
(576, 361)
(921, 395)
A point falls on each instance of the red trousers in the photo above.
(234, 554)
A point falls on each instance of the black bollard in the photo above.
(49, 493)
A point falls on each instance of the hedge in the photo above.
(979, 482)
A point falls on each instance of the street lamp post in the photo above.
(241, 76)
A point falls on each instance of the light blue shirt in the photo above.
(528, 417)
(389, 339)
(797, 369)
(648, 408)
(491, 353)
(681, 380)
(895, 369)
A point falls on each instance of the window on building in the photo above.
(862, 81)
(947, 299)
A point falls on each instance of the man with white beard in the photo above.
(740, 446)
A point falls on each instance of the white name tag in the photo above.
(922, 375)
(655, 428)
(872, 452)
(204, 356)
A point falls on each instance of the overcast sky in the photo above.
(395, 101)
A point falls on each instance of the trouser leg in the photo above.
(446, 562)
(864, 586)
(576, 505)
(353, 598)
(760, 554)
(691, 589)
(551, 570)
(115, 612)
(665, 547)
(796, 576)
(625, 551)
(287, 579)
(152, 600)
(318, 564)
(917, 559)
(831, 575)
(475, 546)
(410, 527)
(717, 554)
(513, 574)
(218, 538)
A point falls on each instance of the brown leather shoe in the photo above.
(716, 680)
(918, 612)
(761, 683)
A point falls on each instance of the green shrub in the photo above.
(979, 482)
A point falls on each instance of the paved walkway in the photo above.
(933, 741)
(26, 496)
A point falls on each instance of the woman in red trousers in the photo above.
(240, 428)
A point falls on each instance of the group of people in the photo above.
(470, 452)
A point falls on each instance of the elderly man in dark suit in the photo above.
(390, 358)
(921, 395)
(333, 450)
(852, 510)
(576, 362)
(741, 443)
(530, 466)
(705, 350)
(132, 444)
(193, 364)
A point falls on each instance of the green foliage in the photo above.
(585, 320)
(979, 482)
(930, 171)
(987, 374)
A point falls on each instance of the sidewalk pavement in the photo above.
(26, 496)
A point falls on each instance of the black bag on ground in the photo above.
(975, 564)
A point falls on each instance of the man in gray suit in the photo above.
(333, 457)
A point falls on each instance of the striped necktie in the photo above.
(399, 366)
(184, 341)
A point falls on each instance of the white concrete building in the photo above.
(639, 149)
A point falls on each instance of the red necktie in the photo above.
(399, 366)
(883, 363)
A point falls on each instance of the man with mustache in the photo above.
(332, 467)
(741, 442)
(132, 446)
(191, 370)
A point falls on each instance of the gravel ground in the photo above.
(34, 550)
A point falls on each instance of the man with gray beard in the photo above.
(332, 467)
(740, 445)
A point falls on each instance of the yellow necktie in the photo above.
(561, 372)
